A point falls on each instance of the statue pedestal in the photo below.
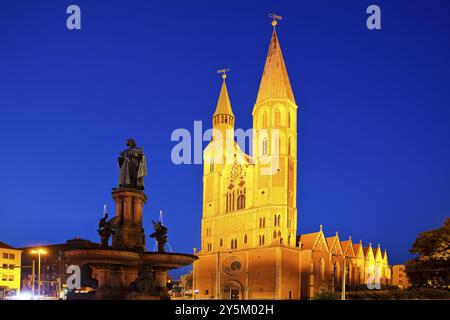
(129, 205)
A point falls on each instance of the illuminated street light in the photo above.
(38, 251)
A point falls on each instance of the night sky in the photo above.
(374, 111)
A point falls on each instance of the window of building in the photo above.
(11, 277)
(264, 146)
(5, 266)
(234, 244)
(277, 116)
(4, 277)
(264, 120)
(274, 234)
(241, 202)
(209, 247)
(245, 239)
(221, 242)
(211, 165)
(5, 256)
(11, 267)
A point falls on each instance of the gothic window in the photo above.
(209, 247)
(264, 120)
(274, 234)
(234, 244)
(278, 220)
(245, 239)
(289, 239)
(264, 222)
(289, 119)
(277, 117)
(264, 146)
(221, 242)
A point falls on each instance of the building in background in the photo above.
(250, 248)
(399, 276)
(53, 266)
(10, 266)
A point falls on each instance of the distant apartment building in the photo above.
(399, 277)
(53, 266)
(10, 263)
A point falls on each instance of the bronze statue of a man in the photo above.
(160, 235)
(133, 167)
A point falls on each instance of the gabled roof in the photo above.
(315, 240)
(308, 240)
(223, 104)
(358, 248)
(275, 80)
(347, 246)
(377, 254)
(5, 246)
(368, 251)
(334, 242)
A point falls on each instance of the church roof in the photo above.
(223, 104)
(357, 247)
(275, 80)
(308, 240)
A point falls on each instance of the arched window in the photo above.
(221, 242)
(264, 119)
(274, 234)
(264, 146)
(278, 220)
(279, 234)
(289, 119)
(241, 200)
(277, 117)
(289, 239)
(263, 239)
(245, 239)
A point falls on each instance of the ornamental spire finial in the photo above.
(275, 18)
(223, 72)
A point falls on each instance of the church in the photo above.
(250, 248)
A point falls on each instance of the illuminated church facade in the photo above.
(250, 248)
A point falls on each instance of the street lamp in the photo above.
(39, 252)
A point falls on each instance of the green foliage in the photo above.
(431, 268)
(328, 296)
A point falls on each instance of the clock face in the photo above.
(231, 266)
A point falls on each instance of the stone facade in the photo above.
(250, 248)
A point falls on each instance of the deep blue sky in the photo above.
(374, 110)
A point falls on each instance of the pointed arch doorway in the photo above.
(232, 290)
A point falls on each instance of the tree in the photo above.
(431, 268)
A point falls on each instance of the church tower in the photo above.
(249, 202)
(275, 147)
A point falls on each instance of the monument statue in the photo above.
(133, 167)
(106, 229)
(160, 235)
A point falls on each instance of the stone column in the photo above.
(130, 233)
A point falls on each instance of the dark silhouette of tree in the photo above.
(431, 267)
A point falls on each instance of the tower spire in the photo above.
(223, 104)
(275, 80)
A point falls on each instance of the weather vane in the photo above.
(275, 18)
(223, 72)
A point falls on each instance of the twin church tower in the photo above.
(249, 202)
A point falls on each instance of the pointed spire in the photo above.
(321, 228)
(105, 210)
(223, 104)
(275, 80)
